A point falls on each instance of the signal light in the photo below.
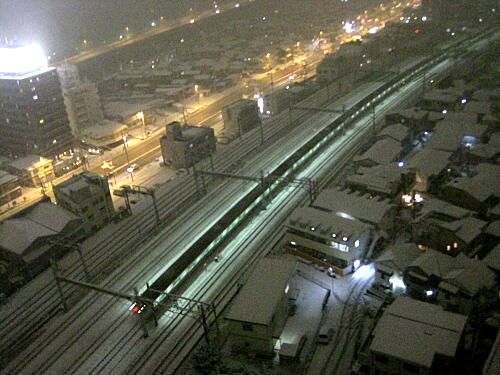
(417, 31)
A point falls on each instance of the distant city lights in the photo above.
(22, 59)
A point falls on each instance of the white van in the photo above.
(325, 335)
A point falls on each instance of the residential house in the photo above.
(384, 151)
(452, 282)
(413, 337)
(375, 211)
(430, 166)
(259, 312)
(28, 239)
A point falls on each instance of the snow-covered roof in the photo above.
(481, 186)
(448, 135)
(259, 298)
(106, 128)
(470, 228)
(465, 277)
(396, 131)
(399, 256)
(16, 235)
(361, 207)
(429, 162)
(477, 107)
(6, 177)
(460, 271)
(486, 94)
(493, 228)
(370, 182)
(324, 224)
(460, 117)
(492, 260)
(486, 151)
(440, 96)
(432, 262)
(431, 329)
(45, 219)
(495, 139)
(411, 113)
(126, 109)
(27, 161)
(432, 205)
(390, 171)
(50, 215)
(383, 151)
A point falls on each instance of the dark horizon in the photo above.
(56, 24)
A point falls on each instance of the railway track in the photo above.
(122, 238)
(163, 201)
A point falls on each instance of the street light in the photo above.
(196, 87)
(125, 146)
(140, 115)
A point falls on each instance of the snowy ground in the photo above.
(308, 319)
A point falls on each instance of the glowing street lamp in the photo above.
(196, 87)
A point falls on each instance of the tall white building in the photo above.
(81, 99)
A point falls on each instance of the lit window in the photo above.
(356, 243)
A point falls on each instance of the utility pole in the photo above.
(125, 146)
(261, 132)
(238, 120)
(374, 121)
(272, 82)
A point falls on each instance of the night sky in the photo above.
(63, 22)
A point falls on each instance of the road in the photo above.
(156, 30)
